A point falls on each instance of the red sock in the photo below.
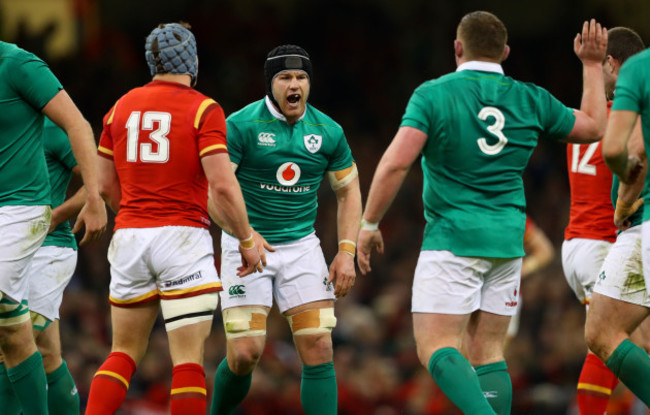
(188, 395)
(110, 384)
(594, 386)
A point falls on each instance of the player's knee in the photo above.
(240, 322)
(595, 339)
(182, 312)
(244, 357)
(13, 315)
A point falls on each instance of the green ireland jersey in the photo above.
(633, 94)
(26, 86)
(60, 162)
(281, 166)
(481, 127)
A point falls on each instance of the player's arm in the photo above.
(260, 242)
(345, 184)
(389, 176)
(591, 119)
(628, 201)
(109, 184)
(229, 207)
(70, 207)
(64, 113)
(539, 251)
(615, 145)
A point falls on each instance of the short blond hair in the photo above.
(483, 35)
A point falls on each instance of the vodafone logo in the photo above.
(288, 173)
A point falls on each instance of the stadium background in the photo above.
(368, 56)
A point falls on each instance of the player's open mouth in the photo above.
(293, 98)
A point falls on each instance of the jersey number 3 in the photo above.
(496, 129)
(163, 120)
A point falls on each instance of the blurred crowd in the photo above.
(367, 61)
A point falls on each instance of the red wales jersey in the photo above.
(156, 136)
(591, 214)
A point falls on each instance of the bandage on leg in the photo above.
(244, 322)
(319, 320)
(181, 312)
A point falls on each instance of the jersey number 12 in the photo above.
(581, 165)
(163, 120)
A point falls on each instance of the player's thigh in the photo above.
(132, 326)
(186, 343)
(303, 276)
(132, 280)
(253, 290)
(182, 258)
(312, 325)
(581, 262)
(500, 290)
(50, 272)
(486, 333)
(23, 229)
(447, 284)
(48, 342)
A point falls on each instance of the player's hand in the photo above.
(342, 274)
(93, 217)
(56, 220)
(367, 241)
(624, 211)
(633, 170)
(250, 261)
(591, 45)
(262, 246)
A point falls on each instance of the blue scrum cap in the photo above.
(171, 48)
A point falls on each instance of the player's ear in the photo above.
(458, 48)
(506, 53)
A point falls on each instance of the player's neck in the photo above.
(171, 77)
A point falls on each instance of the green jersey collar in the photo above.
(480, 66)
(277, 114)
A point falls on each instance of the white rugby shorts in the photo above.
(581, 262)
(448, 284)
(22, 231)
(295, 274)
(621, 276)
(166, 262)
(49, 273)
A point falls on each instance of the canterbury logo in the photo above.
(236, 290)
(266, 138)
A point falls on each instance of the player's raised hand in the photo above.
(367, 241)
(591, 45)
(93, 217)
(342, 274)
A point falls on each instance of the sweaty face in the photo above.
(291, 90)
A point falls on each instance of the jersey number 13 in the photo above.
(161, 120)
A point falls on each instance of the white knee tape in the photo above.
(11, 312)
(319, 320)
(244, 322)
(181, 312)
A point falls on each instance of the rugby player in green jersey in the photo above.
(281, 148)
(50, 272)
(476, 129)
(28, 91)
(612, 321)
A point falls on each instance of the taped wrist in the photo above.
(348, 246)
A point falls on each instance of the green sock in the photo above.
(30, 384)
(8, 399)
(62, 395)
(229, 390)
(318, 393)
(632, 366)
(497, 386)
(457, 379)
